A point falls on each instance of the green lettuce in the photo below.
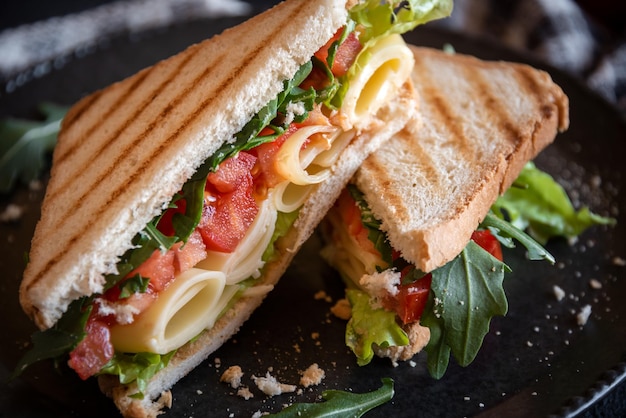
(369, 326)
(139, 368)
(382, 18)
(537, 203)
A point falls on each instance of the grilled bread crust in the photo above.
(482, 121)
(124, 151)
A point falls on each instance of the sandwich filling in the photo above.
(208, 247)
(397, 310)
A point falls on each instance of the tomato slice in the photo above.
(346, 53)
(165, 225)
(94, 351)
(351, 216)
(266, 155)
(488, 242)
(412, 297)
(230, 207)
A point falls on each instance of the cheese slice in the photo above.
(188, 305)
(381, 70)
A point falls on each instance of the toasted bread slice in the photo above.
(161, 123)
(481, 122)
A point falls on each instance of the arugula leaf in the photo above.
(132, 285)
(538, 203)
(438, 352)
(369, 326)
(338, 403)
(502, 229)
(468, 292)
(54, 342)
(341, 404)
(24, 145)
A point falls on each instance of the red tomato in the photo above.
(231, 209)
(231, 173)
(412, 298)
(188, 255)
(488, 242)
(159, 268)
(94, 351)
(165, 224)
(346, 53)
(351, 216)
(266, 155)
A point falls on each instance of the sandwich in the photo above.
(417, 234)
(179, 195)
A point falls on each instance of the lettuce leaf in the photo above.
(339, 404)
(382, 18)
(283, 223)
(369, 326)
(139, 368)
(537, 203)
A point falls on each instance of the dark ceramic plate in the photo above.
(534, 362)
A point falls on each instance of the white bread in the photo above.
(161, 123)
(482, 121)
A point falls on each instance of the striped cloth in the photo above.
(556, 31)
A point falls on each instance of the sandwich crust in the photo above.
(482, 121)
(161, 123)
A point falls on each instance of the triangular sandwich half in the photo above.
(414, 206)
(179, 195)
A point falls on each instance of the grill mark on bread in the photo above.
(121, 127)
(132, 87)
(63, 250)
(77, 113)
(494, 105)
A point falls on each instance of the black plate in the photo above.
(534, 362)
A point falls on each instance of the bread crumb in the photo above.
(342, 309)
(165, 399)
(583, 315)
(11, 213)
(245, 393)
(619, 261)
(559, 294)
(595, 284)
(321, 295)
(270, 386)
(312, 376)
(232, 376)
(380, 285)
